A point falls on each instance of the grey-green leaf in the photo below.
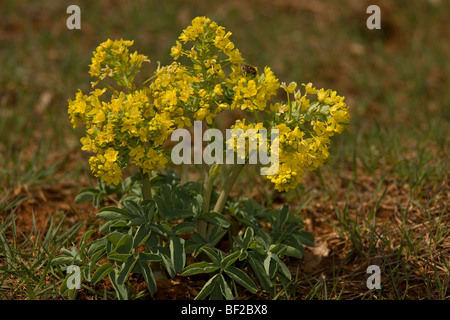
(86, 194)
(168, 264)
(216, 235)
(199, 267)
(217, 219)
(151, 257)
(119, 257)
(114, 237)
(259, 271)
(111, 213)
(281, 267)
(177, 253)
(149, 278)
(126, 269)
(230, 259)
(62, 260)
(142, 235)
(270, 266)
(125, 244)
(248, 236)
(283, 217)
(184, 227)
(225, 288)
(120, 289)
(207, 288)
(101, 272)
(293, 252)
(306, 238)
(241, 278)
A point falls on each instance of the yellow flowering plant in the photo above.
(160, 221)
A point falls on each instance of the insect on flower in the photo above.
(249, 70)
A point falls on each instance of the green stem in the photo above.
(147, 195)
(146, 187)
(202, 224)
(229, 183)
(290, 105)
(146, 81)
(207, 191)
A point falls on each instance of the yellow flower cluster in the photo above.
(206, 32)
(105, 165)
(245, 139)
(125, 125)
(253, 93)
(172, 91)
(131, 124)
(305, 128)
(208, 87)
(112, 59)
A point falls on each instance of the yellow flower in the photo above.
(106, 167)
(136, 59)
(111, 155)
(309, 89)
(322, 95)
(245, 139)
(112, 59)
(99, 116)
(176, 51)
(77, 109)
(250, 90)
(303, 103)
(137, 152)
(218, 90)
(170, 97)
(193, 54)
(286, 178)
(152, 160)
(160, 127)
(289, 88)
(203, 113)
(235, 57)
(87, 143)
(289, 139)
(193, 31)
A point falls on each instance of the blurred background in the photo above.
(395, 80)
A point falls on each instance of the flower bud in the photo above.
(214, 170)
